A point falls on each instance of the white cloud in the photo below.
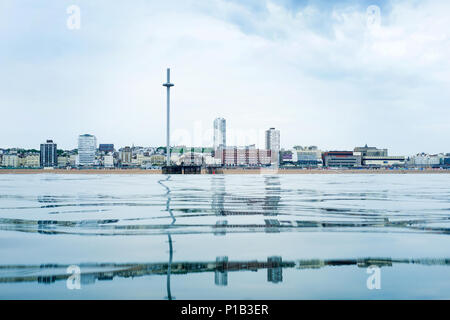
(322, 77)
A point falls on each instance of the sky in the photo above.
(335, 74)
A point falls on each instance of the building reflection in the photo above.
(221, 228)
(274, 269)
(218, 195)
(51, 273)
(217, 204)
(273, 195)
(272, 225)
(221, 272)
(266, 204)
(262, 211)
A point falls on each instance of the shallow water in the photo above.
(225, 236)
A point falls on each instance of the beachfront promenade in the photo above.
(230, 171)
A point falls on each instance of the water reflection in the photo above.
(430, 224)
(221, 271)
(274, 269)
(218, 195)
(234, 219)
(169, 210)
(217, 204)
(50, 273)
(269, 204)
(273, 195)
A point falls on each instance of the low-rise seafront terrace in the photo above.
(230, 171)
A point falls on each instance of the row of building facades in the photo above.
(89, 155)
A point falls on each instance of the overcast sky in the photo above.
(319, 71)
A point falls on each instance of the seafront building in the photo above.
(157, 160)
(14, 159)
(125, 156)
(380, 161)
(288, 157)
(49, 155)
(371, 151)
(106, 148)
(305, 157)
(340, 159)
(32, 160)
(446, 160)
(182, 155)
(108, 161)
(87, 147)
(374, 157)
(244, 156)
(273, 144)
(63, 161)
(73, 159)
(10, 160)
(220, 133)
(423, 160)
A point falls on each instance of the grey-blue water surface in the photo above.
(225, 236)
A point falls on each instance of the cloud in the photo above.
(315, 70)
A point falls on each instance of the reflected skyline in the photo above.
(50, 273)
(223, 236)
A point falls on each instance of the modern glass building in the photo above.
(220, 133)
(87, 146)
(49, 156)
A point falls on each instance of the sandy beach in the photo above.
(227, 171)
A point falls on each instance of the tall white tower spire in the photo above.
(168, 85)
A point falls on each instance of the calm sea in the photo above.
(317, 236)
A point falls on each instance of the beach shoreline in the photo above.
(228, 171)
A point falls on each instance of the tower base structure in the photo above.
(182, 169)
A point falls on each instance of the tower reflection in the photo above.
(169, 236)
(273, 195)
(274, 269)
(217, 204)
(221, 273)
